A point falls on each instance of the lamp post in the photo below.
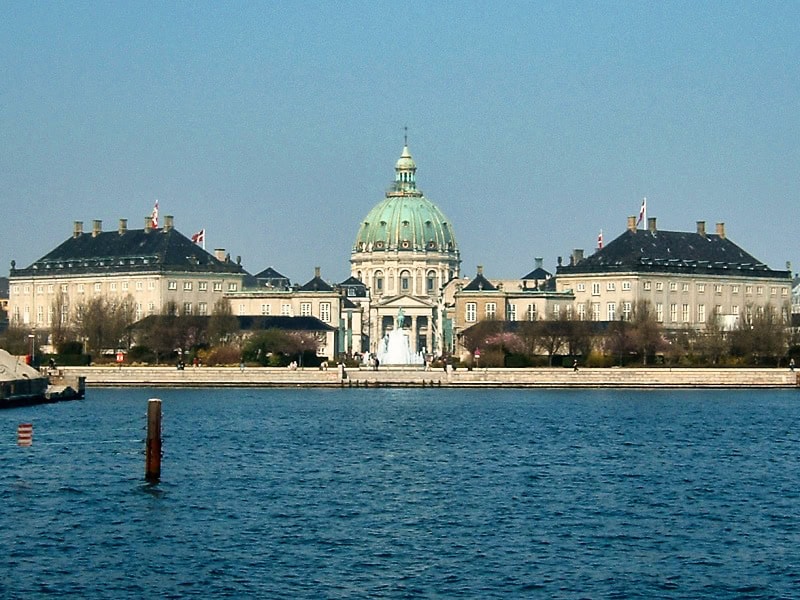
(32, 337)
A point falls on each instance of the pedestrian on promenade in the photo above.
(791, 364)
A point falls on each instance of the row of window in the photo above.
(490, 311)
(123, 286)
(286, 310)
(700, 288)
(405, 281)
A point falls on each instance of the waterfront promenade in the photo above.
(657, 377)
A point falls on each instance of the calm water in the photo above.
(406, 494)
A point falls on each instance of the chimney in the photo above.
(168, 223)
(219, 254)
(77, 229)
(539, 261)
(148, 224)
(631, 223)
(97, 227)
(651, 224)
(701, 228)
(123, 226)
(721, 230)
(317, 271)
(480, 269)
(577, 256)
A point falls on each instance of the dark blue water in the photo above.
(406, 494)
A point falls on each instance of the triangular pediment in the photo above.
(403, 301)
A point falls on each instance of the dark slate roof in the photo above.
(271, 278)
(316, 285)
(354, 287)
(672, 252)
(538, 273)
(3, 287)
(134, 250)
(480, 283)
(348, 304)
(253, 323)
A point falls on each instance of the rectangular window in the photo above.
(784, 291)
(98, 287)
(611, 286)
(581, 287)
(685, 313)
(556, 310)
(626, 311)
(325, 312)
(734, 289)
(172, 285)
(595, 311)
(673, 287)
(659, 312)
(232, 287)
(581, 312)
(187, 286)
(717, 288)
(626, 286)
(139, 286)
(286, 310)
(65, 287)
(431, 283)
(151, 285)
(659, 286)
(673, 313)
(80, 288)
(305, 309)
(735, 310)
(40, 314)
(701, 288)
(187, 308)
(685, 287)
(124, 286)
(40, 289)
(265, 309)
(511, 310)
(760, 291)
(112, 286)
(773, 291)
(202, 286)
(531, 312)
(202, 308)
(472, 312)
(241, 309)
(151, 308)
(217, 286)
(647, 285)
(611, 311)
(595, 289)
(748, 289)
(491, 310)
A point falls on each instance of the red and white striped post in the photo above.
(25, 434)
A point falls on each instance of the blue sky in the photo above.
(276, 126)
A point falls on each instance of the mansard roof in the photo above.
(271, 278)
(679, 252)
(316, 285)
(127, 251)
(479, 284)
(538, 273)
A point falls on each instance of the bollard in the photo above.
(153, 449)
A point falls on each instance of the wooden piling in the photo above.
(153, 448)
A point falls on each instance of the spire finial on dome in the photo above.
(405, 135)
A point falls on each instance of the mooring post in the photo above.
(153, 449)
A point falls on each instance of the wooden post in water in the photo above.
(153, 449)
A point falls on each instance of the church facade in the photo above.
(405, 252)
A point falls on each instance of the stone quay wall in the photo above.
(661, 377)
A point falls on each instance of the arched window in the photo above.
(430, 281)
(405, 281)
(378, 282)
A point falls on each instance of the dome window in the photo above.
(432, 245)
(378, 245)
(405, 244)
(405, 223)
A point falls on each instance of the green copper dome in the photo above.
(405, 219)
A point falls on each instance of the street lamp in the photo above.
(32, 337)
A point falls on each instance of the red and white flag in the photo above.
(600, 240)
(199, 237)
(154, 216)
(642, 212)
